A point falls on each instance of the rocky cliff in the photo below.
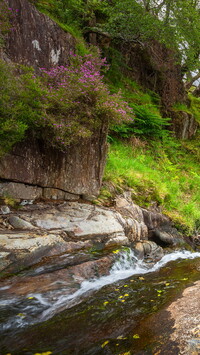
(155, 67)
(34, 39)
(33, 169)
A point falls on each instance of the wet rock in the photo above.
(148, 249)
(19, 223)
(186, 314)
(117, 240)
(69, 278)
(4, 260)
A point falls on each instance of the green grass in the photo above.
(166, 175)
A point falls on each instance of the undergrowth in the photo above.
(165, 175)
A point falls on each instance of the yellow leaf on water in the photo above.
(117, 289)
(127, 353)
(122, 300)
(167, 284)
(115, 251)
(21, 315)
(121, 337)
(141, 278)
(121, 296)
(125, 285)
(126, 295)
(152, 300)
(159, 295)
(159, 291)
(105, 303)
(30, 298)
(105, 343)
(184, 279)
(136, 336)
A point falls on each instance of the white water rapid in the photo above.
(41, 307)
(127, 265)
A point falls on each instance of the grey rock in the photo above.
(162, 238)
(20, 190)
(26, 202)
(154, 219)
(88, 197)
(4, 260)
(5, 210)
(19, 223)
(81, 220)
(127, 208)
(56, 194)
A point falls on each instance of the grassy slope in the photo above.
(166, 176)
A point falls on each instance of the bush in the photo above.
(148, 123)
(20, 105)
(62, 106)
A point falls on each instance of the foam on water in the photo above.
(127, 265)
(44, 306)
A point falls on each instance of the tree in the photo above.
(174, 23)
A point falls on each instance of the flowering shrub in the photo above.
(63, 105)
(77, 101)
(6, 16)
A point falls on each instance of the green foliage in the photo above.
(165, 175)
(148, 121)
(171, 22)
(62, 106)
(5, 16)
(20, 105)
(195, 107)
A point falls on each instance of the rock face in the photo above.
(183, 124)
(155, 67)
(35, 39)
(47, 172)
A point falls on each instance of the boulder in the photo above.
(148, 249)
(162, 238)
(19, 223)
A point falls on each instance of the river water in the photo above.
(115, 314)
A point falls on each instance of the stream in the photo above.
(120, 313)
